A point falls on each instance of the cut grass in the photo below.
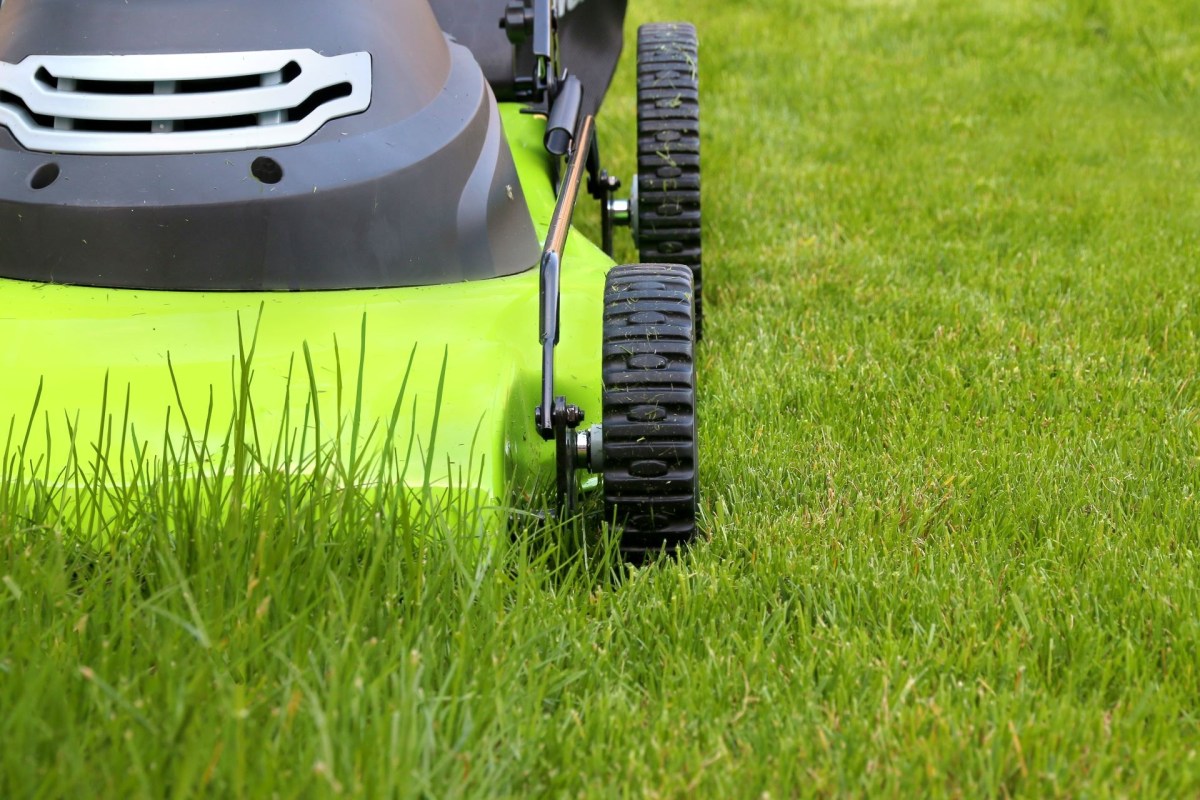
(950, 448)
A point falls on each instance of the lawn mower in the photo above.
(383, 182)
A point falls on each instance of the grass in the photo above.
(950, 442)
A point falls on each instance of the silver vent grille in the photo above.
(179, 103)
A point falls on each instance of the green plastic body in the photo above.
(477, 341)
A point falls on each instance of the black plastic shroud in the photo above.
(418, 189)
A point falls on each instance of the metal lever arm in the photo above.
(551, 270)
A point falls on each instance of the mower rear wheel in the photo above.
(668, 180)
(649, 405)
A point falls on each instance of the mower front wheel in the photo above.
(649, 405)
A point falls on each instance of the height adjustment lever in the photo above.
(530, 26)
(555, 418)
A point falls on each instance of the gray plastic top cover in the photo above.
(250, 145)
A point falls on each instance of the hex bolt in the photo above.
(574, 416)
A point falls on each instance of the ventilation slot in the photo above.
(104, 125)
(215, 123)
(318, 99)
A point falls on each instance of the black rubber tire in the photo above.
(668, 104)
(649, 406)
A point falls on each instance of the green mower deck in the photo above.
(174, 355)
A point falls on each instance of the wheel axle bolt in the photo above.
(620, 212)
(589, 449)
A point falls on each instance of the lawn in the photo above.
(951, 455)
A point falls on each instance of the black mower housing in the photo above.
(418, 188)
